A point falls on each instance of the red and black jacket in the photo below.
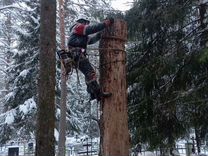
(81, 34)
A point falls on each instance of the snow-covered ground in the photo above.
(81, 145)
(75, 146)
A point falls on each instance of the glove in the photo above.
(109, 21)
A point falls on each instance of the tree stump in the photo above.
(114, 119)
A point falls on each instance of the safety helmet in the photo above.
(83, 19)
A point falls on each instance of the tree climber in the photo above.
(81, 35)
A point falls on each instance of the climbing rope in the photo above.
(106, 63)
(115, 38)
(97, 49)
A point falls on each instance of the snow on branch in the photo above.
(19, 6)
(9, 116)
(12, 7)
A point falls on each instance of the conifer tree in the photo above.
(155, 65)
(23, 75)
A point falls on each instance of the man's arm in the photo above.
(82, 29)
(91, 29)
(94, 39)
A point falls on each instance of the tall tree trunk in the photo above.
(114, 122)
(45, 141)
(62, 122)
(203, 11)
(198, 140)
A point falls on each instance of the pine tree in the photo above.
(7, 40)
(167, 66)
(155, 65)
(23, 75)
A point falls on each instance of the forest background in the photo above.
(167, 66)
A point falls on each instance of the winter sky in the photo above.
(122, 4)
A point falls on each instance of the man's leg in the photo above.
(90, 75)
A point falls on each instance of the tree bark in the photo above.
(203, 10)
(62, 122)
(198, 140)
(114, 120)
(45, 141)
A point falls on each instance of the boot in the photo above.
(91, 91)
(95, 91)
(106, 94)
(103, 95)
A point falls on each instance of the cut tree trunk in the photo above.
(114, 120)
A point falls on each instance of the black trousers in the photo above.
(83, 64)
